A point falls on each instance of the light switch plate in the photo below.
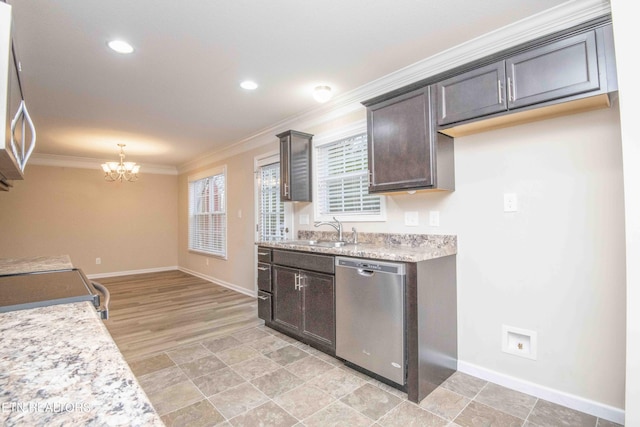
(434, 218)
(411, 219)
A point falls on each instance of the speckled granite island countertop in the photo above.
(59, 366)
(384, 246)
(34, 264)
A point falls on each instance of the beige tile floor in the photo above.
(259, 377)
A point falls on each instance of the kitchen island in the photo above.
(60, 366)
(430, 299)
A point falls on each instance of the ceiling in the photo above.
(177, 96)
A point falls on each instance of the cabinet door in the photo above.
(472, 94)
(286, 298)
(295, 166)
(300, 168)
(318, 308)
(400, 142)
(560, 69)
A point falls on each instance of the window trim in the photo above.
(218, 170)
(320, 140)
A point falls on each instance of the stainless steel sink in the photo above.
(331, 244)
(320, 243)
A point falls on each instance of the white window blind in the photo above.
(342, 179)
(208, 213)
(272, 217)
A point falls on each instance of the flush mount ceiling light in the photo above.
(120, 46)
(249, 85)
(121, 171)
(322, 93)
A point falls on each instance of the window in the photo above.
(271, 210)
(208, 212)
(342, 181)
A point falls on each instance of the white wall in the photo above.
(555, 267)
(626, 40)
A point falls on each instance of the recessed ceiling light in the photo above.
(322, 93)
(249, 85)
(120, 46)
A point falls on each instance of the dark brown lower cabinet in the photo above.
(303, 304)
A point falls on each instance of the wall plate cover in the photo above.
(434, 218)
(411, 219)
(510, 202)
(520, 342)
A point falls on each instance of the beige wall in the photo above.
(237, 271)
(56, 210)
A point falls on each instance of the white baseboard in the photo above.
(231, 286)
(126, 273)
(587, 406)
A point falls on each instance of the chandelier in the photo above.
(121, 171)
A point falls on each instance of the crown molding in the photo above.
(561, 17)
(91, 163)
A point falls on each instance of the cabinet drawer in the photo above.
(264, 277)
(305, 261)
(264, 306)
(264, 254)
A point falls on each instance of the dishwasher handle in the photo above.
(366, 273)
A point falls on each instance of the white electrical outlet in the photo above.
(411, 219)
(98, 261)
(434, 218)
(303, 219)
(510, 202)
(239, 213)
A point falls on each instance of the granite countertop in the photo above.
(34, 264)
(383, 246)
(60, 366)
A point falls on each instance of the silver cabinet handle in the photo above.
(499, 92)
(510, 89)
(297, 282)
(263, 268)
(286, 189)
(263, 298)
(20, 154)
(104, 314)
(263, 253)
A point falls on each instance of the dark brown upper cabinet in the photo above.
(570, 68)
(473, 94)
(405, 151)
(295, 166)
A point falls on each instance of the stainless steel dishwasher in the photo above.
(370, 330)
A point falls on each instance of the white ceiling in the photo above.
(177, 97)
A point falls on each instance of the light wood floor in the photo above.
(153, 312)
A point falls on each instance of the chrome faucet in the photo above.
(337, 225)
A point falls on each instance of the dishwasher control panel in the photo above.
(372, 265)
